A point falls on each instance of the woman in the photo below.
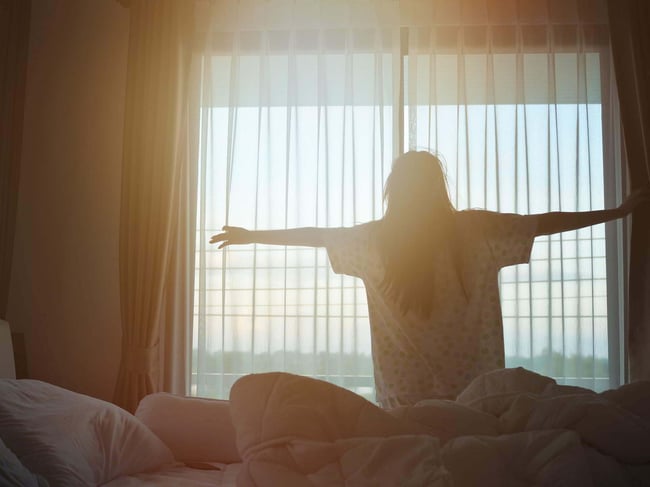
(431, 277)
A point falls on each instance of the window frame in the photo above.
(616, 233)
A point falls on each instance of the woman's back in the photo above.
(425, 355)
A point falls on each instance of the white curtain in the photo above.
(304, 105)
(157, 210)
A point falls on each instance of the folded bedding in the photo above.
(509, 427)
(196, 430)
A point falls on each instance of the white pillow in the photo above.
(72, 439)
(195, 429)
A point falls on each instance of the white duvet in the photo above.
(508, 428)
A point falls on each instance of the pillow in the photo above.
(14, 473)
(72, 439)
(195, 429)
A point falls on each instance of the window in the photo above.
(299, 128)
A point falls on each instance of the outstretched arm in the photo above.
(308, 236)
(555, 222)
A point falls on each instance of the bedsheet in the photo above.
(510, 427)
(174, 476)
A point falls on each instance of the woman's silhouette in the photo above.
(430, 274)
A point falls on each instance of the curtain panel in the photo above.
(303, 107)
(631, 51)
(515, 97)
(14, 44)
(157, 201)
(297, 107)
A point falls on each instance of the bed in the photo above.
(509, 427)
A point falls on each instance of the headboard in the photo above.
(7, 365)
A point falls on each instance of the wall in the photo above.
(64, 288)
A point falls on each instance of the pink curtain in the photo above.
(629, 21)
(14, 41)
(157, 205)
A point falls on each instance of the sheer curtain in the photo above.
(304, 106)
(298, 129)
(513, 100)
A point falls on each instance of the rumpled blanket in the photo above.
(510, 427)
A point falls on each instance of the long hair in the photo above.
(418, 231)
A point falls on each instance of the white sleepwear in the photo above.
(417, 357)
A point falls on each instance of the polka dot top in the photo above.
(418, 357)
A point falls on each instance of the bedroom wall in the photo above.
(64, 290)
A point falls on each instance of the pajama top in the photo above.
(418, 357)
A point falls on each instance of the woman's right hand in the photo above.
(232, 236)
(634, 199)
